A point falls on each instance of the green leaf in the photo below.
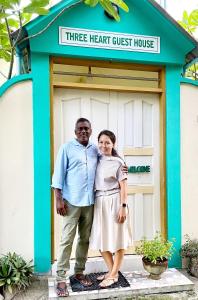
(91, 3)
(185, 17)
(13, 23)
(5, 54)
(40, 3)
(193, 19)
(35, 10)
(10, 289)
(121, 4)
(2, 282)
(5, 4)
(14, 2)
(26, 17)
(8, 3)
(4, 41)
(4, 269)
(8, 281)
(3, 15)
(16, 278)
(189, 22)
(3, 27)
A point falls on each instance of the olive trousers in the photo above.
(77, 218)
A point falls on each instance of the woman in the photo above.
(111, 233)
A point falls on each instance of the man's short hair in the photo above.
(82, 120)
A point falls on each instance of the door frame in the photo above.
(162, 104)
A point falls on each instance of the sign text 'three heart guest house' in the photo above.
(108, 40)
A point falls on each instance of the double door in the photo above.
(134, 118)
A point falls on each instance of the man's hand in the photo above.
(61, 205)
(125, 169)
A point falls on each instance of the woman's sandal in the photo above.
(102, 277)
(108, 282)
(61, 289)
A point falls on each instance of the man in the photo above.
(73, 182)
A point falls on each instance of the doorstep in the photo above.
(140, 284)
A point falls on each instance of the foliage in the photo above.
(14, 15)
(15, 272)
(155, 249)
(192, 71)
(107, 5)
(190, 247)
(190, 23)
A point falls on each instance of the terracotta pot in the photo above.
(155, 270)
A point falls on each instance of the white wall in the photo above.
(16, 170)
(16, 167)
(4, 67)
(189, 159)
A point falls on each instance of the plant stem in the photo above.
(11, 64)
(11, 45)
(195, 68)
(20, 30)
(3, 75)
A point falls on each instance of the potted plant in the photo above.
(15, 273)
(156, 253)
(189, 250)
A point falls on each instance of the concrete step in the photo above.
(140, 284)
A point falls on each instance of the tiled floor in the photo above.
(140, 284)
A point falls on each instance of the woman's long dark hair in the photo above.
(112, 137)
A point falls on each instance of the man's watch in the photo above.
(123, 205)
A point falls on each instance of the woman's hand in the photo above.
(122, 214)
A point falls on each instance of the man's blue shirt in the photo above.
(74, 172)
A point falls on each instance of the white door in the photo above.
(134, 118)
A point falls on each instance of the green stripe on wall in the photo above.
(14, 80)
(173, 183)
(189, 81)
(42, 196)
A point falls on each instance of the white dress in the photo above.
(107, 234)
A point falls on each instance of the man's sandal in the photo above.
(84, 280)
(108, 282)
(61, 289)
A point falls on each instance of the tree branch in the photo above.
(8, 30)
(12, 49)
(195, 68)
(11, 64)
(3, 75)
(50, 23)
(20, 30)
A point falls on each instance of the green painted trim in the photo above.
(147, 5)
(189, 81)
(170, 20)
(173, 181)
(42, 164)
(13, 81)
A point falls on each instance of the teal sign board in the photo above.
(139, 169)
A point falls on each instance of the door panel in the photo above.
(134, 118)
